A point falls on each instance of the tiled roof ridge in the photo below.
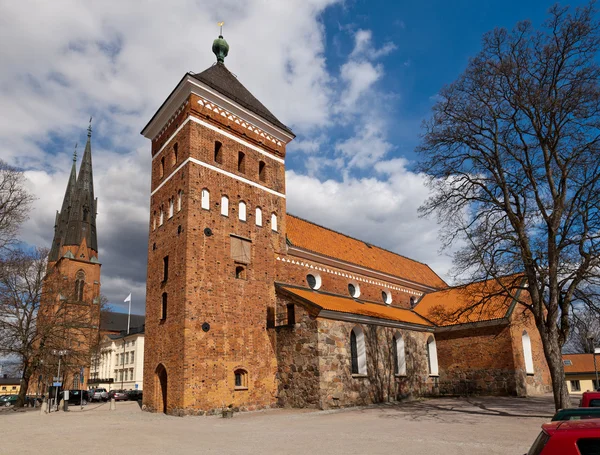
(470, 283)
(579, 353)
(360, 240)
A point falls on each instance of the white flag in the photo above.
(128, 299)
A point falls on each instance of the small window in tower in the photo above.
(241, 162)
(240, 272)
(179, 198)
(175, 152)
(162, 167)
(171, 207)
(241, 379)
(163, 314)
(154, 221)
(161, 217)
(291, 314)
(79, 285)
(242, 211)
(165, 268)
(224, 206)
(262, 173)
(258, 217)
(274, 222)
(205, 199)
(218, 152)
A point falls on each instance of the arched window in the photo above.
(241, 379)
(161, 217)
(432, 359)
(241, 162)
(79, 285)
(171, 207)
(274, 222)
(179, 198)
(240, 272)
(399, 355)
(242, 211)
(162, 167)
(218, 152)
(262, 173)
(224, 206)
(163, 314)
(313, 280)
(527, 353)
(258, 217)
(205, 199)
(175, 153)
(358, 351)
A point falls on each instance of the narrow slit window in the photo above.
(258, 217)
(165, 268)
(274, 222)
(179, 198)
(218, 152)
(242, 211)
(162, 167)
(224, 206)
(171, 207)
(175, 153)
(241, 162)
(163, 315)
(262, 173)
(205, 199)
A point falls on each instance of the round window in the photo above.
(354, 290)
(313, 280)
(386, 297)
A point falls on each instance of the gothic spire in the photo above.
(82, 216)
(62, 217)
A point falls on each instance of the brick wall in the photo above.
(479, 360)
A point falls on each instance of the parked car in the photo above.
(590, 400)
(98, 395)
(571, 437)
(135, 395)
(76, 397)
(577, 414)
(118, 395)
(8, 400)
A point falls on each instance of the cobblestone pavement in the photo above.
(437, 426)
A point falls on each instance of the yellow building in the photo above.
(580, 372)
(9, 386)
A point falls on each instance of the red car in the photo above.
(568, 437)
(590, 400)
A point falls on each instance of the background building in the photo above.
(580, 372)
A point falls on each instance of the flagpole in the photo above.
(129, 315)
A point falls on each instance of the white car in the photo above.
(98, 395)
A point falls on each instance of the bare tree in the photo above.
(512, 154)
(39, 314)
(15, 202)
(585, 332)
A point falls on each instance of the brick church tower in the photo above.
(217, 221)
(70, 305)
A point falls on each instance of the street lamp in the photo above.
(59, 353)
(594, 352)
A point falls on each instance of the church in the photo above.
(249, 307)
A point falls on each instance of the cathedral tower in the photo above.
(70, 306)
(217, 221)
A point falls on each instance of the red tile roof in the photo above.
(312, 237)
(581, 363)
(475, 302)
(349, 305)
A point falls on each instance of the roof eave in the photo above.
(188, 85)
(472, 325)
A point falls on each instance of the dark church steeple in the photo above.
(76, 221)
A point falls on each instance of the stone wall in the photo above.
(339, 387)
(297, 358)
(477, 360)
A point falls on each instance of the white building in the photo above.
(120, 362)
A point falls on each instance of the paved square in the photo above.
(479, 425)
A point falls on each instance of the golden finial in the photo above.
(220, 24)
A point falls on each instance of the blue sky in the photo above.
(353, 79)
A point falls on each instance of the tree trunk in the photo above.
(553, 354)
(24, 388)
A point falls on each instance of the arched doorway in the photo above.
(160, 387)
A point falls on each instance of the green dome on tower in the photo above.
(220, 48)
